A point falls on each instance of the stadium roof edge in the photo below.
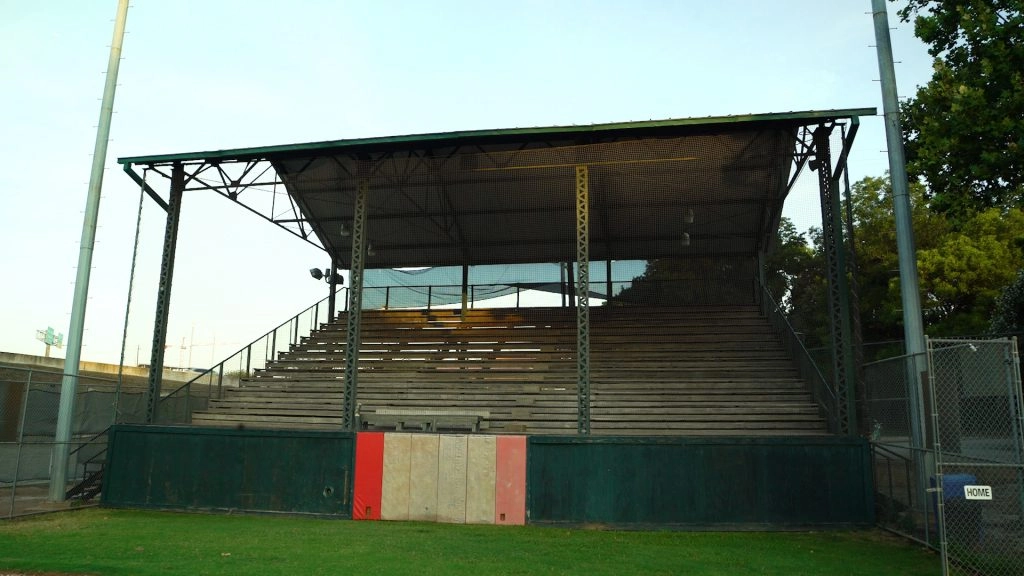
(797, 118)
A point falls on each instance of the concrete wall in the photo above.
(95, 369)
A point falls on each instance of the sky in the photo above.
(213, 74)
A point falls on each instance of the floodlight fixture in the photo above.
(369, 249)
(685, 239)
(316, 273)
(344, 231)
(688, 216)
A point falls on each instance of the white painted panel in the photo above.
(395, 490)
(480, 477)
(423, 450)
(451, 478)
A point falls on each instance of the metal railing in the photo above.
(821, 391)
(177, 406)
(629, 292)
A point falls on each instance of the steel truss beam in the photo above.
(163, 298)
(353, 338)
(583, 299)
(232, 180)
(838, 286)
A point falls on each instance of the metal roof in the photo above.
(708, 187)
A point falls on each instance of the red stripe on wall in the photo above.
(366, 495)
(510, 480)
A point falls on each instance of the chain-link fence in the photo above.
(978, 487)
(902, 464)
(29, 404)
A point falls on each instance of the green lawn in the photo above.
(102, 541)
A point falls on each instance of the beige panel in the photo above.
(394, 503)
(480, 480)
(423, 477)
(451, 479)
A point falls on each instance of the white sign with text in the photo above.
(977, 492)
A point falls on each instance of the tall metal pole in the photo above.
(58, 478)
(913, 326)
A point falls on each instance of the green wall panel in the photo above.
(757, 482)
(212, 468)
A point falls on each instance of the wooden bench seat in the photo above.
(695, 370)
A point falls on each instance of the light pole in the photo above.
(69, 384)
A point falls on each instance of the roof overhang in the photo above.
(709, 187)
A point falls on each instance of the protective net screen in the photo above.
(657, 198)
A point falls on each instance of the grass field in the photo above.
(110, 542)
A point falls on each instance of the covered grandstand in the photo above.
(602, 281)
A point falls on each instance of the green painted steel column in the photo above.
(857, 333)
(69, 383)
(355, 307)
(163, 297)
(838, 286)
(608, 278)
(333, 293)
(583, 299)
(465, 289)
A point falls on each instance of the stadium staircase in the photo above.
(701, 370)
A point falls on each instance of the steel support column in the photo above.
(857, 332)
(332, 296)
(838, 286)
(583, 299)
(465, 289)
(163, 294)
(608, 279)
(355, 307)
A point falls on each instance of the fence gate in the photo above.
(978, 486)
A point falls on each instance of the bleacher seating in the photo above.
(701, 370)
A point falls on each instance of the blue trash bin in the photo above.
(963, 516)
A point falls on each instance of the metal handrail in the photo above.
(89, 441)
(808, 368)
(248, 347)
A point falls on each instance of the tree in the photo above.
(963, 273)
(961, 269)
(964, 130)
(1009, 310)
(790, 258)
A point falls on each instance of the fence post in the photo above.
(21, 439)
(429, 298)
(248, 359)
